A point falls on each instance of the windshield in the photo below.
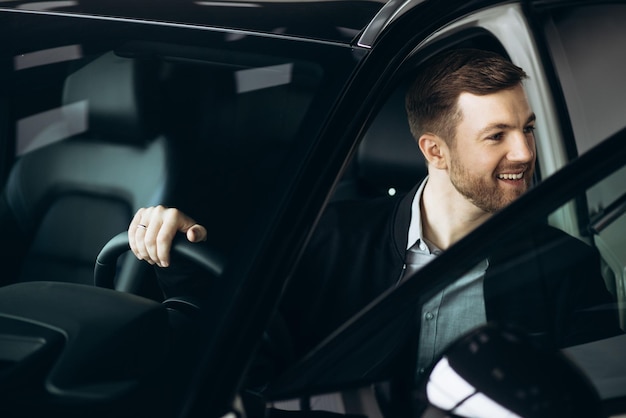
(102, 118)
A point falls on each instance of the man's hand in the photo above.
(152, 230)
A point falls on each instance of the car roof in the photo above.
(334, 21)
(353, 22)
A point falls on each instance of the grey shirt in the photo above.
(454, 310)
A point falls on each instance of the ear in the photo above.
(433, 148)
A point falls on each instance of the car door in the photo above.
(344, 361)
(593, 107)
(525, 33)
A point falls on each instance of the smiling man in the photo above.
(483, 164)
(472, 121)
(469, 114)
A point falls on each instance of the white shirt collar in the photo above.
(415, 229)
(415, 226)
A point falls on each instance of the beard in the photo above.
(486, 193)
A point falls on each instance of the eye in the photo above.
(496, 137)
(529, 129)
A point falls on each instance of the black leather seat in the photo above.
(66, 197)
(388, 160)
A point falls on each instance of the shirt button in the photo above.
(421, 370)
(429, 316)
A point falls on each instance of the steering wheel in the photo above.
(201, 254)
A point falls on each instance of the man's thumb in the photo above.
(196, 233)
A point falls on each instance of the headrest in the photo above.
(388, 156)
(120, 95)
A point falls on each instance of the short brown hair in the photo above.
(431, 101)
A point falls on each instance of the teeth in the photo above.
(510, 176)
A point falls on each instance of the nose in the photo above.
(522, 148)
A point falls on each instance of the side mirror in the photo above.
(495, 371)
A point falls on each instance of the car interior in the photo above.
(78, 180)
(386, 162)
(65, 199)
(161, 125)
(127, 130)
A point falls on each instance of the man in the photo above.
(472, 121)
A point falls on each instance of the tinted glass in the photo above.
(101, 118)
(553, 290)
(558, 288)
(561, 292)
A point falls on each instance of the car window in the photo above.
(537, 309)
(586, 282)
(108, 117)
(102, 116)
(548, 285)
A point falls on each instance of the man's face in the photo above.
(492, 158)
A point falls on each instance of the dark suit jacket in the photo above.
(542, 281)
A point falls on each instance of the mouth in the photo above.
(511, 176)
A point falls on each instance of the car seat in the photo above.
(64, 199)
(388, 160)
